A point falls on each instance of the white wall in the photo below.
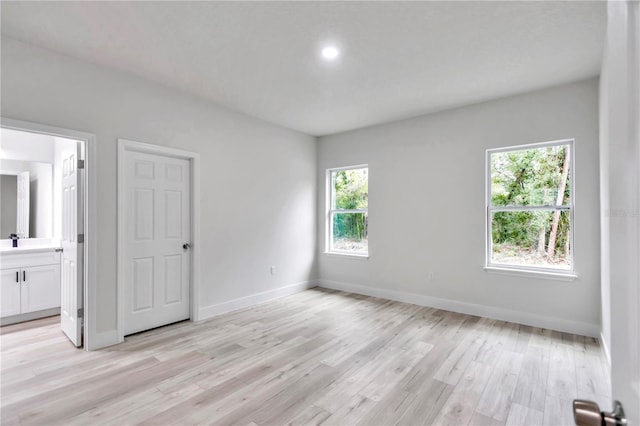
(17, 145)
(426, 208)
(258, 181)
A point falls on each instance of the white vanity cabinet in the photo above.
(10, 292)
(30, 283)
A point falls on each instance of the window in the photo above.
(530, 207)
(348, 216)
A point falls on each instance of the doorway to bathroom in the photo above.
(46, 242)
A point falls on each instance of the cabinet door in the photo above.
(40, 288)
(10, 280)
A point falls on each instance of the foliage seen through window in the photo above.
(349, 211)
(530, 207)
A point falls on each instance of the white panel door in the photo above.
(40, 288)
(157, 233)
(71, 280)
(24, 187)
(10, 280)
(623, 132)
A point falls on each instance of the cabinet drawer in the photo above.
(8, 261)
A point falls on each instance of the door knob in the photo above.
(587, 413)
(186, 246)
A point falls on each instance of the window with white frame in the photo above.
(530, 207)
(348, 213)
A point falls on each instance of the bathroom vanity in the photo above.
(29, 282)
(30, 273)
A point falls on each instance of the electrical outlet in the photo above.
(273, 270)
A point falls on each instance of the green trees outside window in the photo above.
(349, 220)
(530, 204)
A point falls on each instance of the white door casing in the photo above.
(24, 189)
(157, 223)
(71, 282)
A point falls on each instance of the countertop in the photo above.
(27, 249)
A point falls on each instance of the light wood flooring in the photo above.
(317, 357)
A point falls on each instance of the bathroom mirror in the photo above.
(26, 200)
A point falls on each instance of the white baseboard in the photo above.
(254, 299)
(101, 340)
(525, 318)
(29, 316)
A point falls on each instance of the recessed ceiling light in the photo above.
(330, 53)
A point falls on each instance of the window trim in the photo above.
(330, 212)
(570, 207)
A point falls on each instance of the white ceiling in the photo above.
(399, 59)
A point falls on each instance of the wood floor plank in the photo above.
(557, 411)
(498, 394)
(482, 420)
(387, 379)
(311, 416)
(430, 397)
(561, 381)
(540, 337)
(30, 325)
(316, 357)
(350, 413)
(491, 347)
(460, 407)
(519, 415)
(532, 382)
(289, 402)
(266, 377)
(76, 400)
(590, 376)
(424, 371)
(390, 408)
(451, 370)
(350, 384)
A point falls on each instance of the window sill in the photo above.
(547, 275)
(347, 255)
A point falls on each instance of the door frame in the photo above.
(91, 338)
(124, 146)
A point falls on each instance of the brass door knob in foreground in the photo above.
(587, 413)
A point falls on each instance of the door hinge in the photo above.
(80, 238)
(80, 164)
(80, 313)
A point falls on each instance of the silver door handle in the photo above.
(186, 246)
(587, 413)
